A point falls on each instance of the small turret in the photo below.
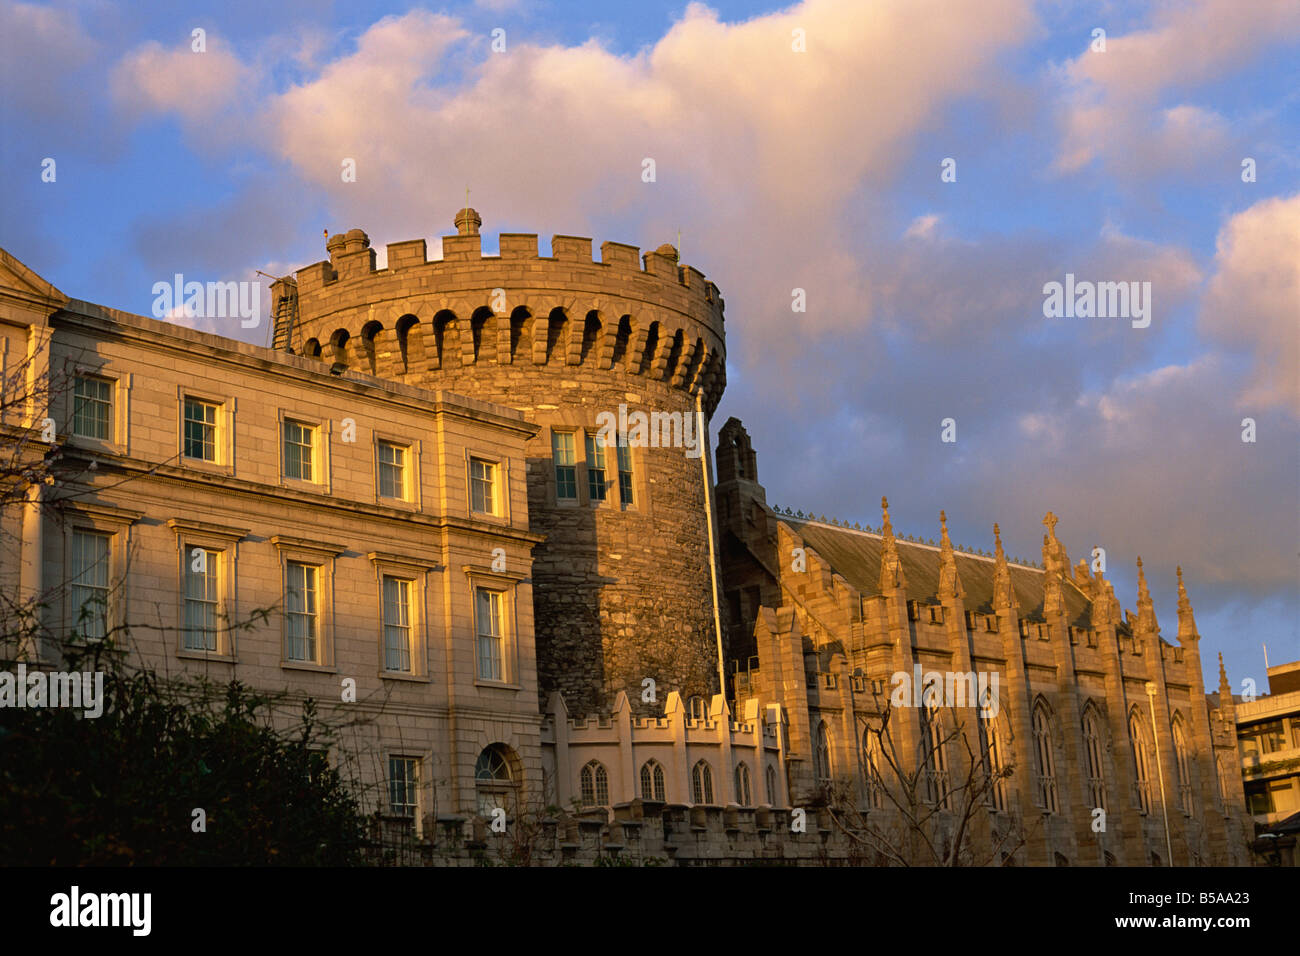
(949, 579)
(1146, 617)
(1004, 595)
(891, 566)
(1186, 620)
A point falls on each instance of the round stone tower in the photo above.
(628, 345)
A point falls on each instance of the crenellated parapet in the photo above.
(631, 314)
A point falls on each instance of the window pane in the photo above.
(403, 786)
(566, 472)
(200, 430)
(490, 650)
(397, 624)
(300, 612)
(392, 465)
(92, 408)
(298, 440)
(595, 468)
(201, 599)
(89, 590)
(482, 486)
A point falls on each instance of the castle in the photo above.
(533, 608)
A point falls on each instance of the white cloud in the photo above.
(1111, 100)
(193, 85)
(1253, 301)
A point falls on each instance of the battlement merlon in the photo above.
(623, 279)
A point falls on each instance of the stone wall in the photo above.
(622, 590)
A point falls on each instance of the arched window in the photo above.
(1182, 764)
(934, 759)
(1228, 776)
(822, 757)
(743, 796)
(494, 778)
(1043, 759)
(871, 766)
(772, 794)
(594, 785)
(1141, 760)
(652, 781)
(702, 782)
(994, 763)
(1095, 755)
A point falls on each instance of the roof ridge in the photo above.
(905, 540)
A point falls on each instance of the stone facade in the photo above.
(607, 734)
(622, 586)
(824, 616)
(158, 510)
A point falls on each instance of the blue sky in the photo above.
(817, 170)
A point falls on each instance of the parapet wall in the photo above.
(640, 315)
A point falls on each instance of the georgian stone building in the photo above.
(534, 610)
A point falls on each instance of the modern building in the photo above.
(1268, 731)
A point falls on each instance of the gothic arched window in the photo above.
(1043, 759)
(595, 785)
(743, 795)
(1094, 753)
(822, 761)
(652, 781)
(1182, 763)
(702, 782)
(1141, 760)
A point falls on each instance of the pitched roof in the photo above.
(855, 555)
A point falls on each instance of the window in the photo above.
(299, 445)
(595, 785)
(392, 470)
(991, 752)
(743, 795)
(404, 787)
(1094, 753)
(1044, 762)
(200, 434)
(566, 469)
(1141, 761)
(491, 641)
(483, 486)
(494, 778)
(92, 409)
(822, 763)
(871, 768)
(770, 778)
(397, 624)
(652, 781)
(201, 599)
(302, 615)
(1265, 738)
(1183, 766)
(89, 583)
(1229, 779)
(624, 472)
(935, 757)
(702, 782)
(596, 468)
